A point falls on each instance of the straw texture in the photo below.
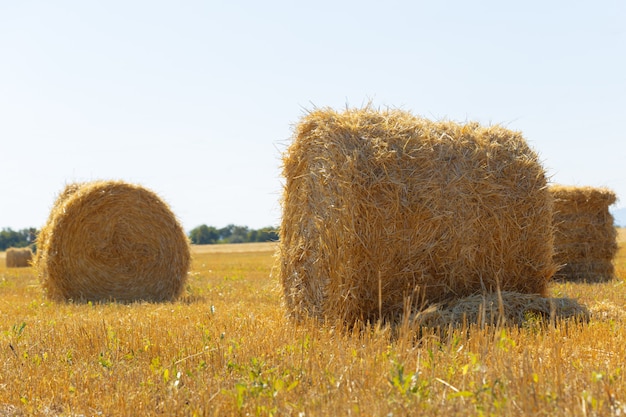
(110, 240)
(18, 257)
(585, 237)
(505, 308)
(381, 207)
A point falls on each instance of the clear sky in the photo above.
(196, 100)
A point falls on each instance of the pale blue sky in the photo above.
(196, 100)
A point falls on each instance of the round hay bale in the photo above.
(384, 210)
(585, 238)
(110, 240)
(18, 257)
(42, 237)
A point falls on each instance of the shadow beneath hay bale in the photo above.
(500, 309)
(192, 299)
(588, 271)
(185, 299)
(585, 278)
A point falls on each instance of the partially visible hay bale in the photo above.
(384, 207)
(585, 238)
(18, 257)
(109, 240)
(42, 237)
(505, 308)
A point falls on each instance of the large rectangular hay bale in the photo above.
(385, 210)
(585, 239)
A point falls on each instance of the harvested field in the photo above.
(235, 247)
(226, 348)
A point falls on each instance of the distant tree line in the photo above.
(205, 235)
(201, 235)
(10, 238)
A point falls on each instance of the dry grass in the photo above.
(235, 248)
(226, 348)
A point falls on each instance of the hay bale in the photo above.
(384, 207)
(18, 257)
(109, 240)
(585, 238)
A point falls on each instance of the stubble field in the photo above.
(227, 349)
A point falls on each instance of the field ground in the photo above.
(227, 349)
(235, 248)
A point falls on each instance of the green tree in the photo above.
(203, 235)
(226, 232)
(10, 238)
(266, 234)
(239, 234)
(253, 235)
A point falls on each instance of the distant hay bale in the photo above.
(110, 240)
(585, 238)
(505, 308)
(18, 257)
(384, 207)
